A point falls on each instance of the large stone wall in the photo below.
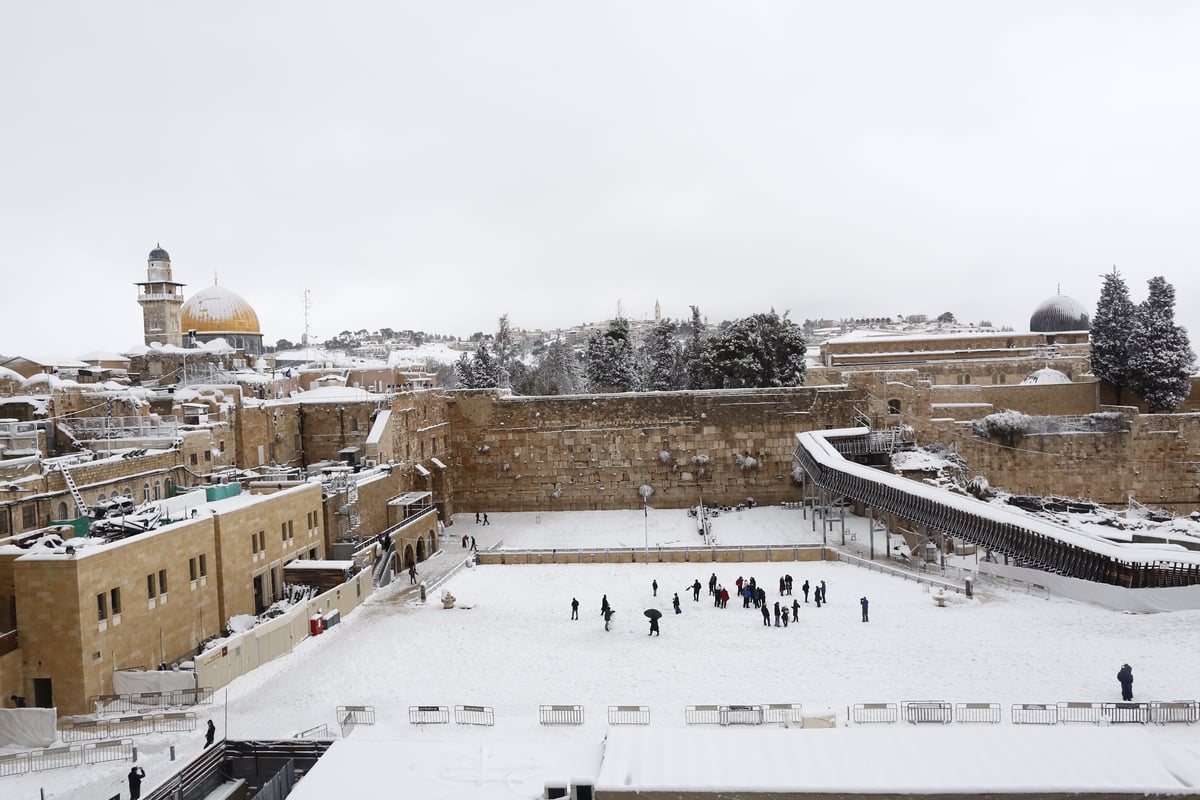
(595, 451)
(1052, 399)
(1156, 463)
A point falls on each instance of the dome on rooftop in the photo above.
(1060, 313)
(158, 254)
(219, 310)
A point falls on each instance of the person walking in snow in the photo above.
(696, 590)
(862, 601)
(739, 583)
(476, 522)
(817, 595)
(746, 596)
(608, 615)
(717, 596)
(776, 613)
(795, 610)
(1125, 676)
(766, 612)
(210, 734)
(654, 627)
(675, 603)
(604, 606)
(485, 519)
(724, 597)
(824, 597)
(804, 588)
(574, 608)
(654, 587)
(782, 586)
(787, 582)
(712, 583)
(464, 539)
(474, 547)
(412, 575)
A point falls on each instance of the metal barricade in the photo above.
(14, 764)
(1183, 711)
(863, 713)
(175, 721)
(921, 711)
(55, 757)
(146, 701)
(560, 715)
(1120, 713)
(133, 725)
(1080, 712)
(1034, 714)
(783, 713)
(702, 715)
(318, 732)
(629, 715)
(358, 715)
(474, 715)
(110, 703)
(428, 715)
(741, 715)
(191, 697)
(977, 712)
(83, 730)
(109, 750)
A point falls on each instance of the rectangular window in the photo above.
(150, 593)
(162, 581)
(208, 455)
(283, 531)
(203, 565)
(29, 516)
(115, 594)
(192, 458)
(192, 570)
(102, 606)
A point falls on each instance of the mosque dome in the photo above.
(219, 310)
(158, 254)
(1058, 314)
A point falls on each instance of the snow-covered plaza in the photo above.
(510, 644)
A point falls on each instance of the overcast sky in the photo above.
(434, 165)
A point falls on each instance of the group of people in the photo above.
(483, 521)
(469, 540)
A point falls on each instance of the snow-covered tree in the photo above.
(1160, 356)
(504, 347)
(610, 359)
(1110, 333)
(661, 358)
(695, 356)
(556, 371)
(763, 350)
(477, 371)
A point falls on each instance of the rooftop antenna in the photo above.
(307, 306)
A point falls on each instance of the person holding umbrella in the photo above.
(653, 614)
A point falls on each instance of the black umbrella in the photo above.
(652, 613)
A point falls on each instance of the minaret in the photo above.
(161, 299)
(657, 312)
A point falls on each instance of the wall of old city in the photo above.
(328, 428)
(595, 451)
(1050, 399)
(1156, 463)
(269, 434)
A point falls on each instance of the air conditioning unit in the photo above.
(370, 463)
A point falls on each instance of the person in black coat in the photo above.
(1125, 676)
(696, 590)
(654, 627)
(210, 734)
(135, 782)
(862, 601)
(604, 606)
(804, 588)
(675, 603)
(574, 608)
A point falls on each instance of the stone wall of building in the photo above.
(596, 451)
(1051, 399)
(269, 434)
(1156, 463)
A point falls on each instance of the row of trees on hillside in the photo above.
(1139, 346)
(762, 350)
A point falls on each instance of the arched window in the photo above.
(128, 493)
(100, 498)
(894, 405)
(158, 490)
(354, 423)
(145, 493)
(62, 510)
(167, 484)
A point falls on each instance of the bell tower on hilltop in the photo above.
(161, 299)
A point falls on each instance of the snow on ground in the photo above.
(510, 644)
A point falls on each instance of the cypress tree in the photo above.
(1110, 333)
(1161, 360)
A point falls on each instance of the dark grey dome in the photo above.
(1060, 313)
(158, 254)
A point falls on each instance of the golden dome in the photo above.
(219, 310)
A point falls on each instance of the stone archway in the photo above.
(432, 543)
(409, 559)
(420, 549)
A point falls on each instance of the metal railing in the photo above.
(1080, 712)
(81, 730)
(560, 715)
(1183, 711)
(428, 715)
(474, 715)
(741, 715)
(1035, 714)
(783, 713)
(148, 701)
(1118, 713)
(702, 715)
(317, 732)
(629, 715)
(350, 717)
(868, 713)
(977, 712)
(921, 711)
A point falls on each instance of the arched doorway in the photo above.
(432, 543)
(409, 560)
(420, 549)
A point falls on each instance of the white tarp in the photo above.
(28, 727)
(139, 681)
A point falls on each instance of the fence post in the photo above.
(135, 754)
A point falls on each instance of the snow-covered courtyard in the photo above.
(510, 644)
